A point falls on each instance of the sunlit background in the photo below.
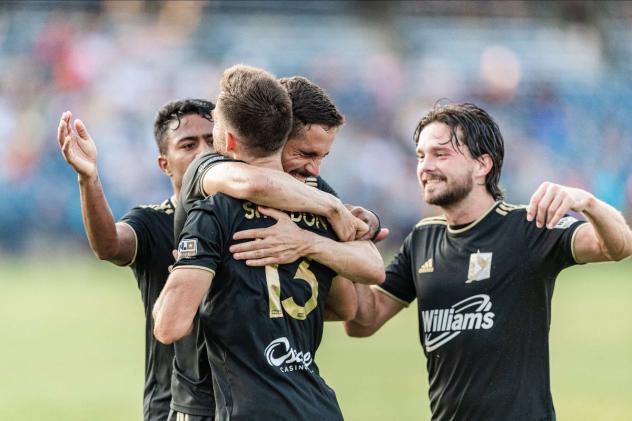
(555, 75)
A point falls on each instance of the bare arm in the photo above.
(285, 242)
(279, 190)
(606, 237)
(178, 303)
(109, 241)
(374, 309)
(342, 301)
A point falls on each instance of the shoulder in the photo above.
(218, 202)
(165, 208)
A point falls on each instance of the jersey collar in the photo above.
(473, 224)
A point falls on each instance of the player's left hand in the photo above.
(375, 230)
(284, 242)
(552, 201)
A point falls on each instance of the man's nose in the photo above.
(313, 167)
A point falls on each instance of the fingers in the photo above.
(247, 246)
(273, 213)
(533, 203)
(63, 129)
(384, 232)
(251, 233)
(548, 205)
(81, 130)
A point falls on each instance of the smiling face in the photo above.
(184, 140)
(302, 156)
(445, 174)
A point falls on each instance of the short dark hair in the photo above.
(310, 105)
(173, 111)
(257, 107)
(480, 134)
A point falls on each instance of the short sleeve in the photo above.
(136, 218)
(399, 283)
(552, 249)
(203, 240)
(191, 190)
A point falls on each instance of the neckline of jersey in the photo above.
(474, 223)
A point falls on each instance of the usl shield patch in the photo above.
(480, 267)
(187, 249)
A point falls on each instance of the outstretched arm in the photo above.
(179, 301)
(280, 190)
(374, 309)
(342, 301)
(285, 242)
(109, 241)
(606, 237)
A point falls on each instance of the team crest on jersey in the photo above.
(187, 249)
(480, 267)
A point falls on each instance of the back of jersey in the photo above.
(263, 325)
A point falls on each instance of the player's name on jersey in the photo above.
(309, 219)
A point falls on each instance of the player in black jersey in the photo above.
(143, 238)
(315, 122)
(483, 273)
(262, 326)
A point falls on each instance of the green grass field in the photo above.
(73, 348)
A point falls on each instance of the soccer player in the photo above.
(143, 238)
(483, 273)
(261, 346)
(315, 122)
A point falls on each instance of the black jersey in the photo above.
(192, 384)
(153, 227)
(262, 325)
(484, 300)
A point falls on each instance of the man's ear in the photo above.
(230, 142)
(163, 164)
(485, 165)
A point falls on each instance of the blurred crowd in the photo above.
(555, 77)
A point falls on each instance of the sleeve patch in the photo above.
(565, 222)
(187, 249)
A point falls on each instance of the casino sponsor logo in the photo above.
(443, 325)
(280, 354)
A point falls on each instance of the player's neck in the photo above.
(272, 162)
(469, 209)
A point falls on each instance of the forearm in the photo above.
(271, 188)
(98, 221)
(364, 322)
(613, 233)
(342, 301)
(359, 261)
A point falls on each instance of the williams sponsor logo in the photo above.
(287, 359)
(187, 249)
(443, 325)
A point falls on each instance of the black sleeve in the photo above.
(551, 250)
(322, 185)
(204, 237)
(399, 281)
(191, 190)
(138, 219)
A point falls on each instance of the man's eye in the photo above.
(188, 146)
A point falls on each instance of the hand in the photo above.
(551, 201)
(372, 221)
(284, 242)
(346, 225)
(77, 146)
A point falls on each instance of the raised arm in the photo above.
(284, 242)
(605, 237)
(109, 241)
(374, 309)
(179, 301)
(342, 301)
(280, 190)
